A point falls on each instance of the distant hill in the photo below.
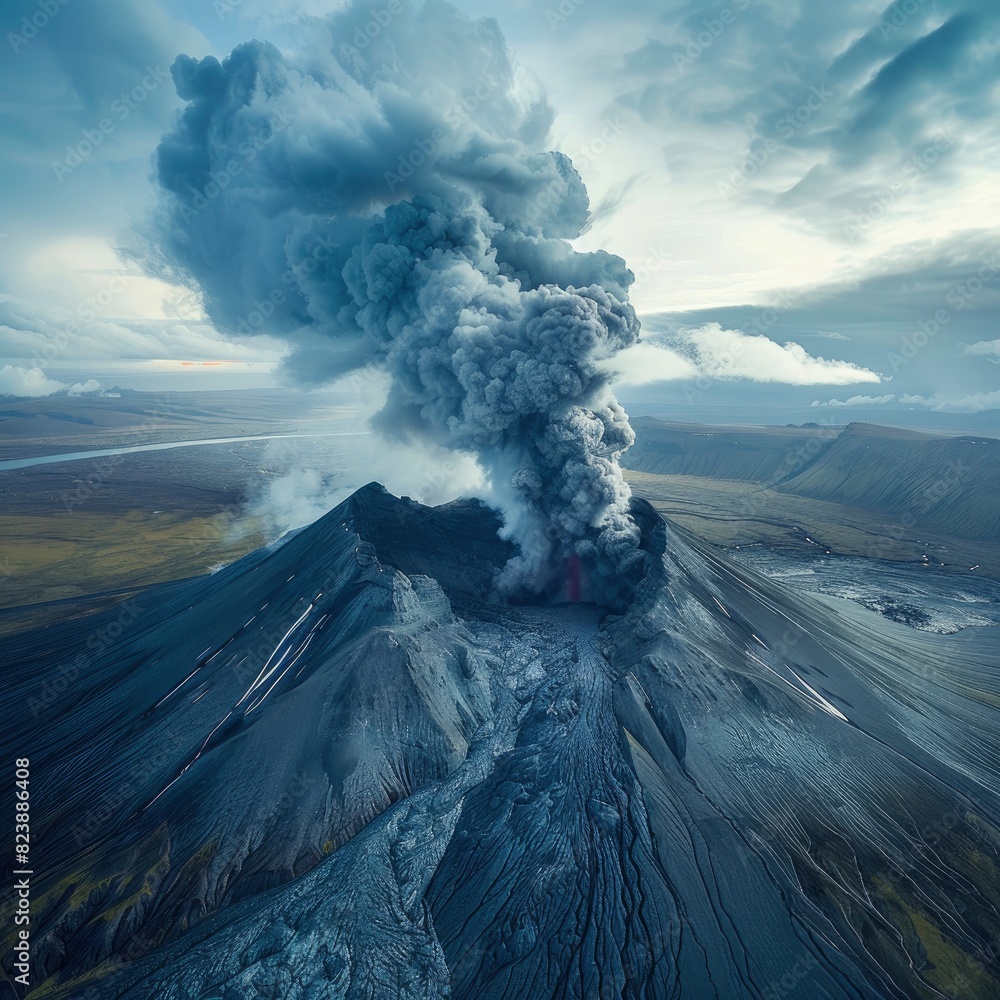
(62, 415)
(946, 483)
(754, 454)
(924, 481)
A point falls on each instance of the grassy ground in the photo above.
(63, 555)
(80, 528)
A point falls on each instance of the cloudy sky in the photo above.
(807, 193)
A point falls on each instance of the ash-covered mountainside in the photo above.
(340, 769)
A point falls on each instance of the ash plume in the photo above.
(384, 196)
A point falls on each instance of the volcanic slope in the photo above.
(338, 769)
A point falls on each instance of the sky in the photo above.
(806, 193)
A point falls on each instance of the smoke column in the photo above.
(383, 196)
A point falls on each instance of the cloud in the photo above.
(857, 401)
(983, 348)
(613, 200)
(837, 130)
(33, 383)
(27, 382)
(733, 354)
(911, 314)
(648, 362)
(712, 352)
(975, 402)
(91, 63)
(700, 110)
(80, 388)
(48, 334)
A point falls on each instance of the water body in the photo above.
(76, 456)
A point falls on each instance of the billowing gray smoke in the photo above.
(384, 197)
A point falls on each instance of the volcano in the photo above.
(342, 768)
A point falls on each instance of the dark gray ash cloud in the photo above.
(386, 197)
